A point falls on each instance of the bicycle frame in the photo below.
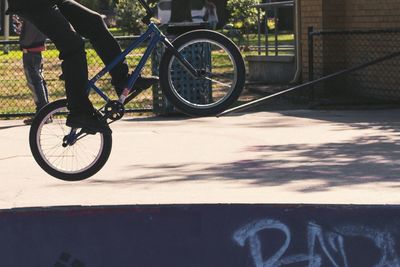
(156, 36)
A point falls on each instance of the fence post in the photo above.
(266, 32)
(311, 60)
(276, 30)
(6, 28)
(259, 30)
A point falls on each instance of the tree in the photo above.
(242, 15)
(129, 15)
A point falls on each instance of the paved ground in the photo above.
(297, 156)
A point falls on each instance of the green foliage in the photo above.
(129, 14)
(271, 24)
(242, 15)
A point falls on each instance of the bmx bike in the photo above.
(216, 71)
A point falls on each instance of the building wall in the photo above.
(310, 15)
(339, 52)
(372, 14)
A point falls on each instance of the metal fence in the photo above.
(333, 51)
(262, 23)
(16, 98)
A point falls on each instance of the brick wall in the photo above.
(310, 15)
(372, 14)
(349, 15)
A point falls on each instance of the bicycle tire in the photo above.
(168, 69)
(52, 116)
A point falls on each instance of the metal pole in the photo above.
(6, 28)
(259, 30)
(276, 30)
(311, 59)
(266, 32)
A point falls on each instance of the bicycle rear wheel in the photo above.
(66, 155)
(223, 73)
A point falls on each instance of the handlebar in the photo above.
(150, 13)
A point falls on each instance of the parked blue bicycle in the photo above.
(207, 63)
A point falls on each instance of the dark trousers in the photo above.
(36, 83)
(65, 23)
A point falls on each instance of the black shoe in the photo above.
(142, 83)
(28, 121)
(90, 123)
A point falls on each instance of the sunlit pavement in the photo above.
(298, 156)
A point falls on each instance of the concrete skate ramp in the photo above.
(201, 235)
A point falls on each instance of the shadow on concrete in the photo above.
(363, 161)
(177, 117)
(366, 119)
(383, 119)
(169, 121)
(380, 119)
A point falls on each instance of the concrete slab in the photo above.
(298, 156)
(201, 236)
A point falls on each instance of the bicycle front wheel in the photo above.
(222, 73)
(63, 153)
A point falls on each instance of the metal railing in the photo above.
(16, 99)
(263, 23)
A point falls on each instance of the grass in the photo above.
(15, 96)
(11, 38)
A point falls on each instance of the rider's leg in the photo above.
(54, 25)
(91, 25)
